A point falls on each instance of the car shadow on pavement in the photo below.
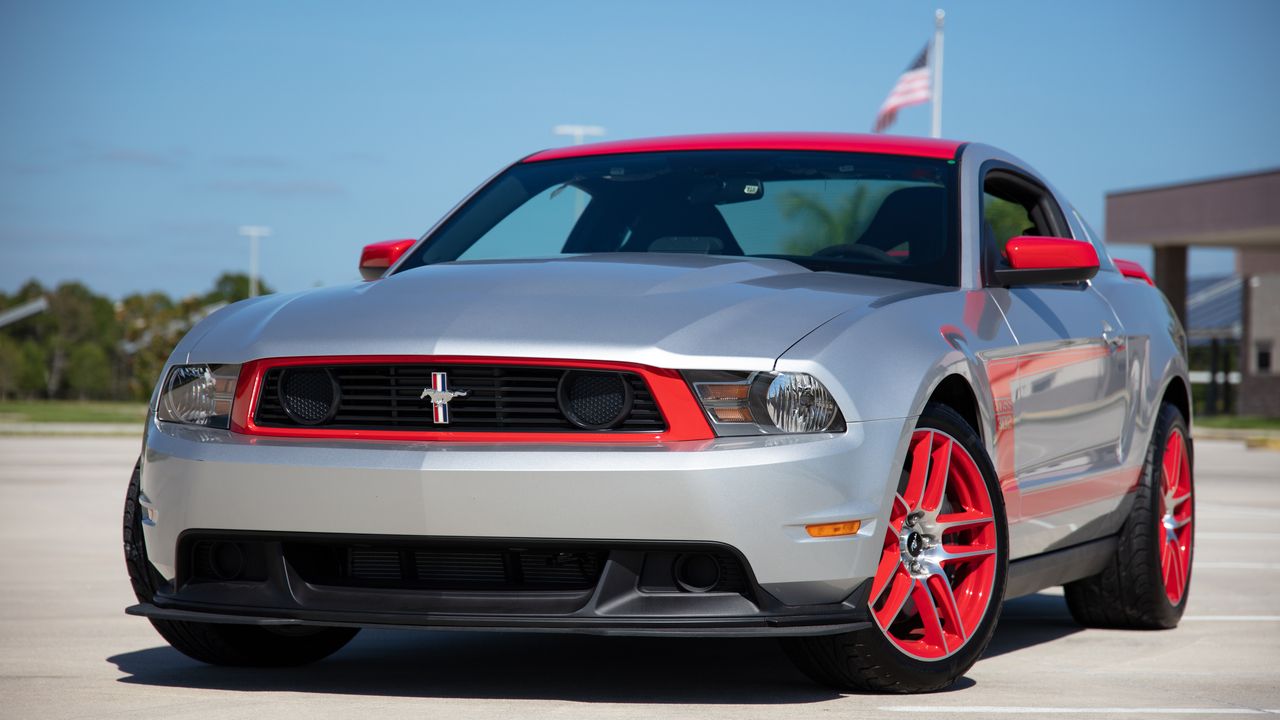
(514, 666)
(508, 665)
(564, 667)
(1029, 621)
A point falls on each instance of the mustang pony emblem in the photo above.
(440, 395)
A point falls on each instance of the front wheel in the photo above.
(936, 594)
(219, 644)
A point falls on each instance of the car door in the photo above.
(1067, 391)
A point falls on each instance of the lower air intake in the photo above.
(445, 569)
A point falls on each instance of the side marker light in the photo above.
(835, 529)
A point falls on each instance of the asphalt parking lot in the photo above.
(67, 650)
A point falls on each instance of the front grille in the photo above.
(503, 398)
(443, 568)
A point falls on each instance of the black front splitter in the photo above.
(790, 626)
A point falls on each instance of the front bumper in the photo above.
(752, 496)
(630, 592)
(795, 625)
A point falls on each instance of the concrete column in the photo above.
(1211, 397)
(1171, 277)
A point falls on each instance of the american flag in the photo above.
(914, 87)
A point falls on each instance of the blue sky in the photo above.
(135, 137)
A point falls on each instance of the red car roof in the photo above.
(829, 142)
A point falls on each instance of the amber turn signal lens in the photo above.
(732, 414)
(716, 392)
(836, 529)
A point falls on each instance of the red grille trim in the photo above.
(683, 415)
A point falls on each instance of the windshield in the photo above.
(881, 215)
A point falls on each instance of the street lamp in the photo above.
(254, 233)
(578, 133)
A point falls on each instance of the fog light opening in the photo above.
(697, 572)
(226, 560)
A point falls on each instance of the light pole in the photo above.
(935, 58)
(578, 133)
(254, 233)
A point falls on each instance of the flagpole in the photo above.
(935, 57)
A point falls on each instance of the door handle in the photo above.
(1113, 339)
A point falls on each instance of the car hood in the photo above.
(679, 311)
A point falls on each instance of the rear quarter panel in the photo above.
(1157, 352)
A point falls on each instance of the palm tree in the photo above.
(823, 225)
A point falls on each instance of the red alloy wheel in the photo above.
(938, 567)
(1175, 517)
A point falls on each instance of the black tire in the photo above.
(218, 644)
(866, 660)
(1129, 593)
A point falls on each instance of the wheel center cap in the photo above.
(914, 544)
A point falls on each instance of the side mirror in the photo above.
(377, 257)
(1046, 261)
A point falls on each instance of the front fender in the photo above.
(887, 363)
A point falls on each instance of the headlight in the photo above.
(741, 403)
(198, 395)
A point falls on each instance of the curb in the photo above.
(1208, 433)
(65, 429)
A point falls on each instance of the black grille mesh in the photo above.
(441, 568)
(594, 399)
(506, 398)
(306, 394)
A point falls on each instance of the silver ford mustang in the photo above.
(851, 392)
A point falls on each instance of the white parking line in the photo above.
(1100, 711)
(1237, 536)
(1231, 618)
(1185, 618)
(1236, 510)
(1229, 565)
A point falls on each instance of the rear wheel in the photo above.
(219, 644)
(1145, 584)
(936, 594)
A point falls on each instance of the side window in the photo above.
(1004, 219)
(537, 228)
(1014, 205)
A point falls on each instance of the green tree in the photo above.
(75, 316)
(31, 369)
(233, 287)
(29, 327)
(30, 290)
(88, 371)
(150, 325)
(10, 366)
(22, 356)
(823, 225)
(1007, 219)
(87, 346)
